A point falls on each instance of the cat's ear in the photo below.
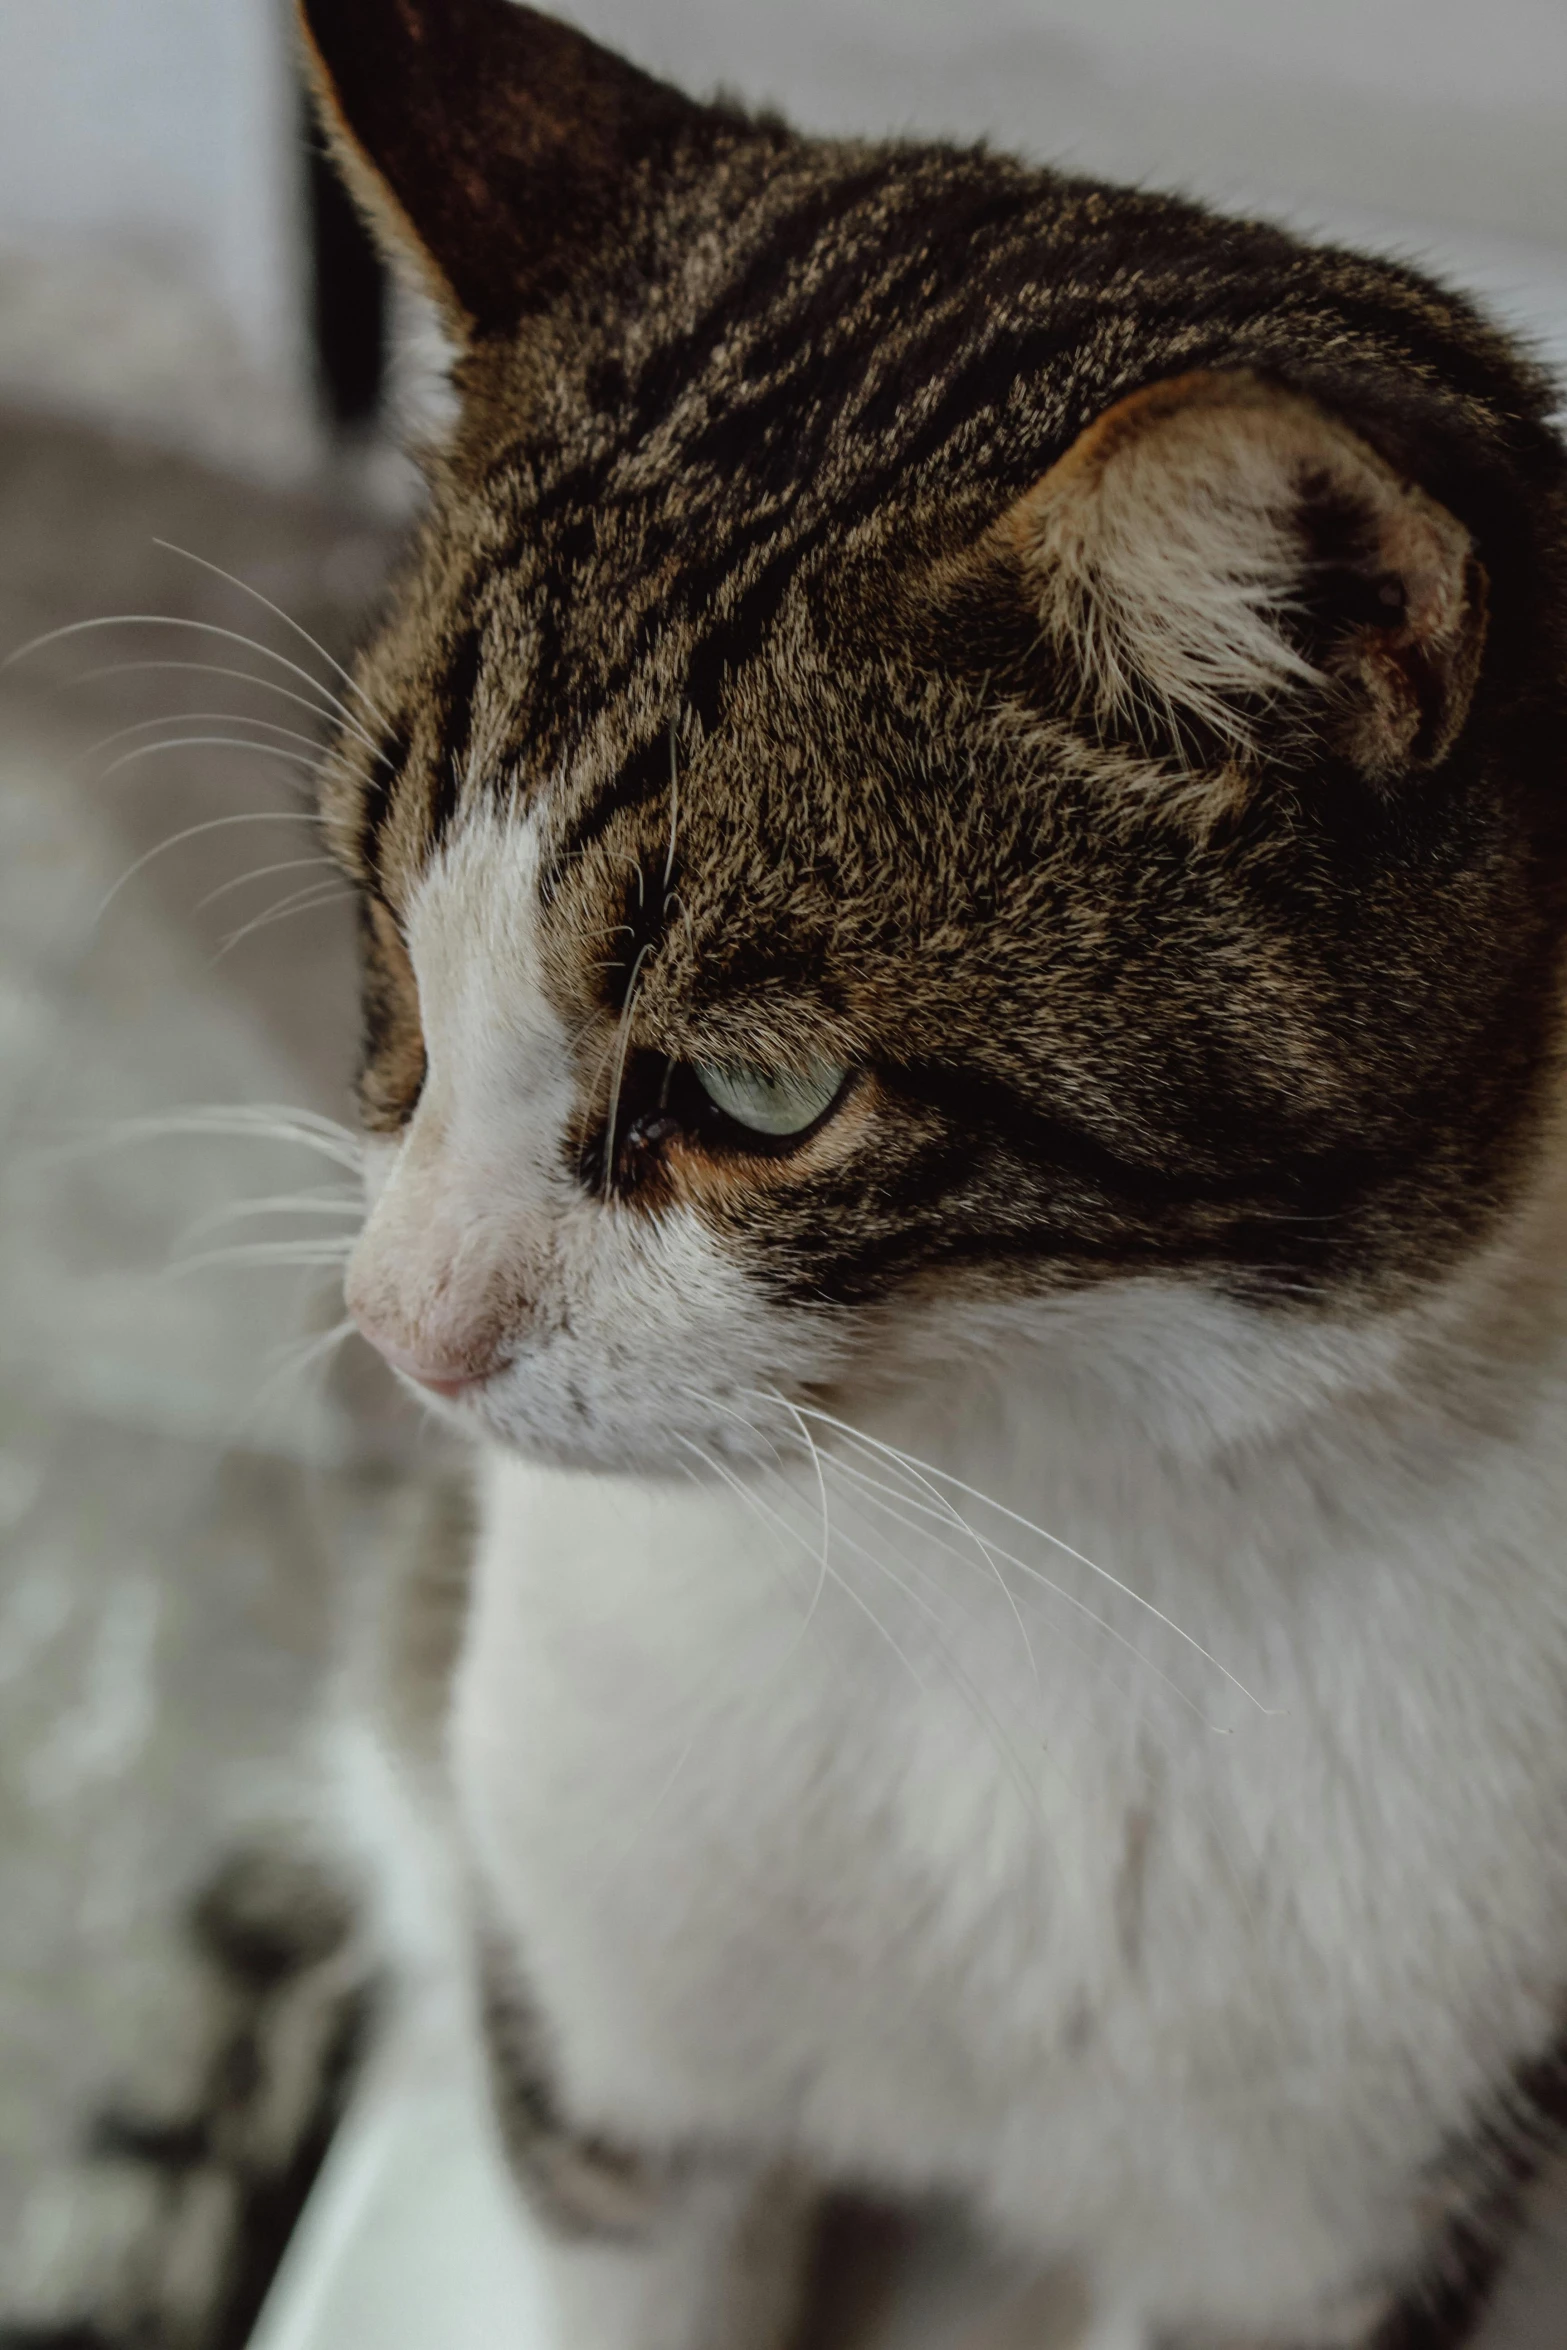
(1217, 558)
(492, 146)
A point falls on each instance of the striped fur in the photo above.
(730, 527)
(1093, 671)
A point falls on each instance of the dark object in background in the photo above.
(276, 1935)
(348, 296)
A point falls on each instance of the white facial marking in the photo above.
(589, 1330)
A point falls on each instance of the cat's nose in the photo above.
(442, 1376)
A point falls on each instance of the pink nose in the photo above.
(441, 1378)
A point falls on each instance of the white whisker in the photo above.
(760, 1508)
(338, 1200)
(293, 1361)
(764, 1513)
(293, 734)
(262, 873)
(266, 685)
(1100, 1623)
(684, 1756)
(622, 1045)
(212, 742)
(264, 1252)
(821, 1482)
(674, 806)
(278, 613)
(1055, 1541)
(943, 1510)
(303, 901)
(984, 1713)
(192, 832)
(234, 636)
(225, 1121)
(871, 1489)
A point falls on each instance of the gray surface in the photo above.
(172, 1513)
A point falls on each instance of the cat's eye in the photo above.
(776, 1103)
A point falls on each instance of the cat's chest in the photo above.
(761, 1866)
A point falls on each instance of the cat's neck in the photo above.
(1175, 1423)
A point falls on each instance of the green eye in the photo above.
(770, 1101)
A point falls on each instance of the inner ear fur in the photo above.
(491, 146)
(1217, 558)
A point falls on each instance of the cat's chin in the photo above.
(556, 1432)
(1134, 1368)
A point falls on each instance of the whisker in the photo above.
(944, 1511)
(213, 742)
(287, 619)
(226, 1121)
(821, 1481)
(765, 1515)
(234, 636)
(984, 1713)
(674, 804)
(684, 1756)
(303, 901)
(754, 1500)
(264, 1252)
(192, 831)
(988, 1501)
(870, 1488)
(874, 1620)
(261, 873)
(293, 734)
(266, 685)
(338, 1200)
(622, 1044)
(292, 1362)
(1100, 1623)
(963, 1682)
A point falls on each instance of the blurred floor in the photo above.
(174, 1506)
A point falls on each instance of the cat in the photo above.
(960, 830)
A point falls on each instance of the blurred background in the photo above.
(199, 352)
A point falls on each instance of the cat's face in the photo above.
(919, 786)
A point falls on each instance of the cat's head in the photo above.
(960, 754)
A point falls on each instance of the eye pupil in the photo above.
(775, 1102)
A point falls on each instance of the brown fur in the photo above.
(775, 498)
(816, 557)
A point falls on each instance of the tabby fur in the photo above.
(1094, 672)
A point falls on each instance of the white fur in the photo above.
(619, 1333)
(1175, 1920)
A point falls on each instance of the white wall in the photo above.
(1423, 111)
(147, 181)
(149, 218)
(153, 123)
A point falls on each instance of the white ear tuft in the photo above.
(1217, 554)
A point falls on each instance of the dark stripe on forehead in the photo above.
(873, 338)
(642, 778)
(752, 294)
(748, 513)
(717, 658)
